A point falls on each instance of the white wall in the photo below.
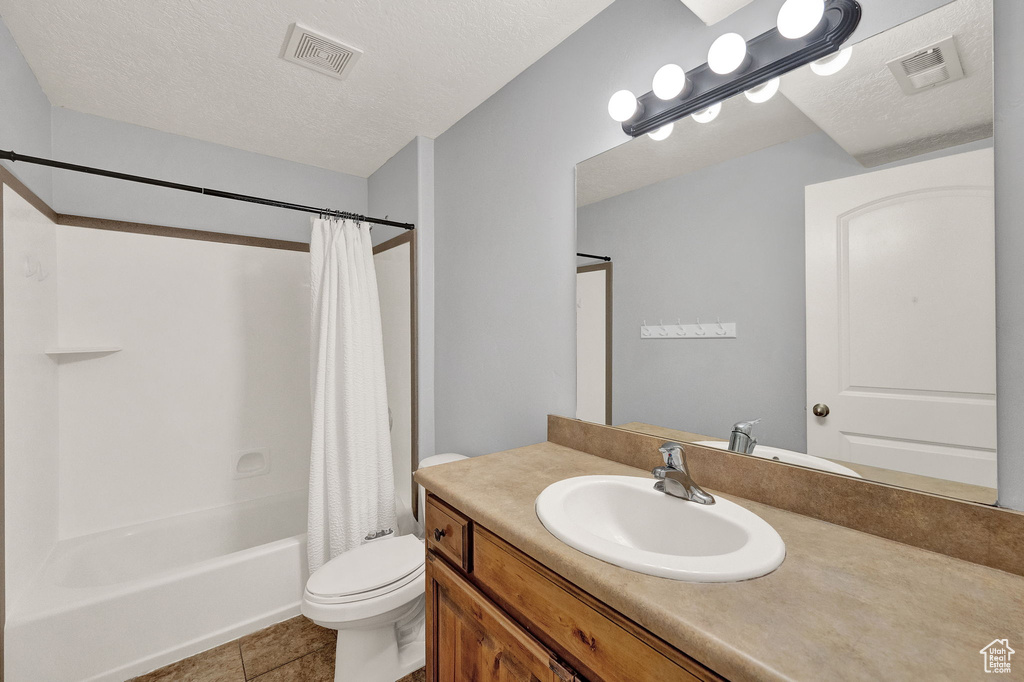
(505, 212)
(1009, 102)
(592, 346)
(30, 392)
(215, 362)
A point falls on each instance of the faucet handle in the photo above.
(673, 454)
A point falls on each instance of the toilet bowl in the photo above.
(373, 596)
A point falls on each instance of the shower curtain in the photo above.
(351, 481)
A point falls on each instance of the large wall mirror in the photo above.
(836, 244)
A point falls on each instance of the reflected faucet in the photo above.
(740, 440)
(675, 477)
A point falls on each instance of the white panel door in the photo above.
(592, 380)
(901, 318)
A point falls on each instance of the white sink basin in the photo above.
(623, 520)
(789, 457)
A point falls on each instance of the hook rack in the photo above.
(713, 330)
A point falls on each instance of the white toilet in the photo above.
(374, 597)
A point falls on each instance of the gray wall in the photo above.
(95, 141)
(24, 116)
(693, 246)
(505, 212)
(403, 190)
(1009, 18)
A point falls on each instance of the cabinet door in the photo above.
(470, 640)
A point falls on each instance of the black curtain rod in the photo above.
(590, 255)
(11, 156)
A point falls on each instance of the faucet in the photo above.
(740, 440)
(675, 477)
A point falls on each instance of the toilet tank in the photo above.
(429, 462)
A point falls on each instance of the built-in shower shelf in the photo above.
(62, 351)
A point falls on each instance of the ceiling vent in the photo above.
(320, 53)
(927, 68)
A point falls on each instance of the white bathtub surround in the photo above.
(351, 481)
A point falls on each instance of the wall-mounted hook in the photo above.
(701, 331)
(721, 329)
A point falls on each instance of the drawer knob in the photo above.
(438, 534)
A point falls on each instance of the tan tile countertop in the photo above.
(844, 605)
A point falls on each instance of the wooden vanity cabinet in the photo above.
(494, 614)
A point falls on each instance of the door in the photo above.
(472, 640)
(594, 343)
(900, 270)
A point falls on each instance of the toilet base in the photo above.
(382, 654)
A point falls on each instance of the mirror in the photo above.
(822, 261)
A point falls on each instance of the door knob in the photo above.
(820, 410)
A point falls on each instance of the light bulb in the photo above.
(763, 92)
(832, 64)
(622, 106)
(662, 132)
(727, 54)
(707, 115)
(798, 18)
(670, 82)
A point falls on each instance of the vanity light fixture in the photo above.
(728, 54)
(707, 115)
(662, 133)
(764, 92)
(807, 31)
(670, 82)
(622, 106)
(833, 63)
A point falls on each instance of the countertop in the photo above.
(844, 605)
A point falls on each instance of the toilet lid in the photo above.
(368, 567)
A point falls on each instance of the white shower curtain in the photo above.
(351, 481)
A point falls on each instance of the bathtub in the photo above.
(112, 605)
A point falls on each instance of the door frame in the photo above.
(607, 267)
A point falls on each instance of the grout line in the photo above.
(308, 653)
(245, 675)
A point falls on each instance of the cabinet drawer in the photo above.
(447, 532)
(598, 642)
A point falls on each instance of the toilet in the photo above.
(374, 597)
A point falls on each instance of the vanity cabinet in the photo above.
(495, 614)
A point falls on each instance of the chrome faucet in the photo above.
(740, 440)
(675, 477)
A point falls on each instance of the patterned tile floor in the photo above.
(296, 650)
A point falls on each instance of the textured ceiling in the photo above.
(211, 69)
(864, 110)
(741, 128)
(713, 11)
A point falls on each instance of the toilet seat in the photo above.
(367, 581)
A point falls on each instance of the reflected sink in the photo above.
(788, 457)
(623, 520)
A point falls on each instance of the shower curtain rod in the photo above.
(11, 156)
(590, 255)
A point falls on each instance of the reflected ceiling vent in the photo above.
(929, 67)
(320, 53)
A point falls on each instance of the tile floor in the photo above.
(296, 650)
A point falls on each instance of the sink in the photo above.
(623, 520)
(789, 457)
